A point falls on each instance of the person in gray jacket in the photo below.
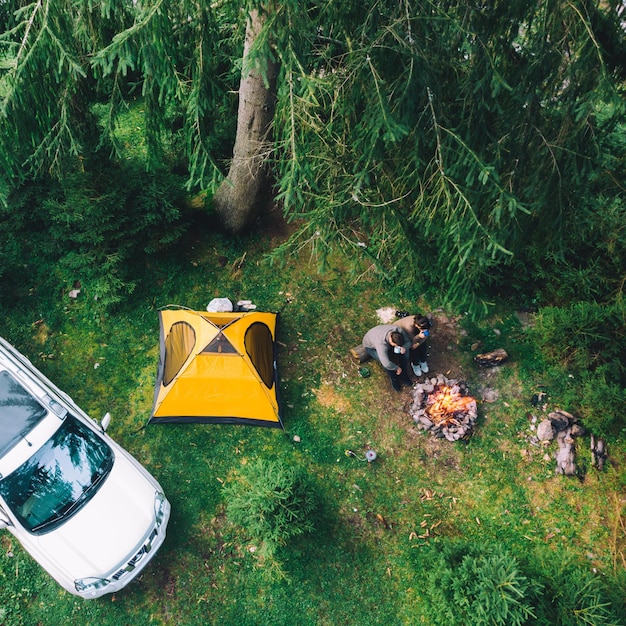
(390, 346)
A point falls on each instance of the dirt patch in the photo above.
(372, 397)
(43, 332)
(444, 354)
(272, 223)
(328, 397)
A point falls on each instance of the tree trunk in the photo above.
(237, 200)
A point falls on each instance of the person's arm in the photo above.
(419, 339)
(383, 355)
(403, 357)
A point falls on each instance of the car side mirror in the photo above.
(106, 420)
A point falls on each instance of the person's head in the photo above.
(422, 322)
(395, 339)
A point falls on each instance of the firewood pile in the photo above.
(443, 408)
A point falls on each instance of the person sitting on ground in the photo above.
(416, 328)
(383, 341)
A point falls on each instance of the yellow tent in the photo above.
(217, 367)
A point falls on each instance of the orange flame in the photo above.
(445, 403)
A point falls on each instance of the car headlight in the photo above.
(159, 507)
(85, 585)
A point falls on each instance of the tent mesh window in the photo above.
(260, 348)
(178, 346)
(221, 345)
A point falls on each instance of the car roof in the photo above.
(20, 412)
(31, 408)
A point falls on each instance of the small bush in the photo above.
(602, 404)
(272, 502)
(96, 227)
(479, 586)
(584, 337)
(587, 342)
(574, 596)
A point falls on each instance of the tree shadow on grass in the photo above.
(339, 574)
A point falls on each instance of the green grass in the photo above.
(377, 522)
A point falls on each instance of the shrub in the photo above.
(273, 502)
(478, 585)
(587, 341)
(95, 227)
(584, 336)
(602, 404)
(574, 596)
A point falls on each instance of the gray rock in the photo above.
(566, 454)
(560, 420)
(490, 395)
(545, 431)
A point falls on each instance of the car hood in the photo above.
(109, 528)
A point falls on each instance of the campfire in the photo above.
(443, 407)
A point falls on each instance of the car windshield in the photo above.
(19, 412)
(59, 478)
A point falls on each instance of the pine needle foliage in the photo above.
(438, 139)
(484, 588)
(273, 502)
(446, 145)
(575, 596)
(588, 264)
(47, 87)
(180, 54)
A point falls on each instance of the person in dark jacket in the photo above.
(388, 345)
(417, 329)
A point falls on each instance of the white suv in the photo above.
(81, 505)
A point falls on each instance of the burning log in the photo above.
(442, 407)
(446, 403)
